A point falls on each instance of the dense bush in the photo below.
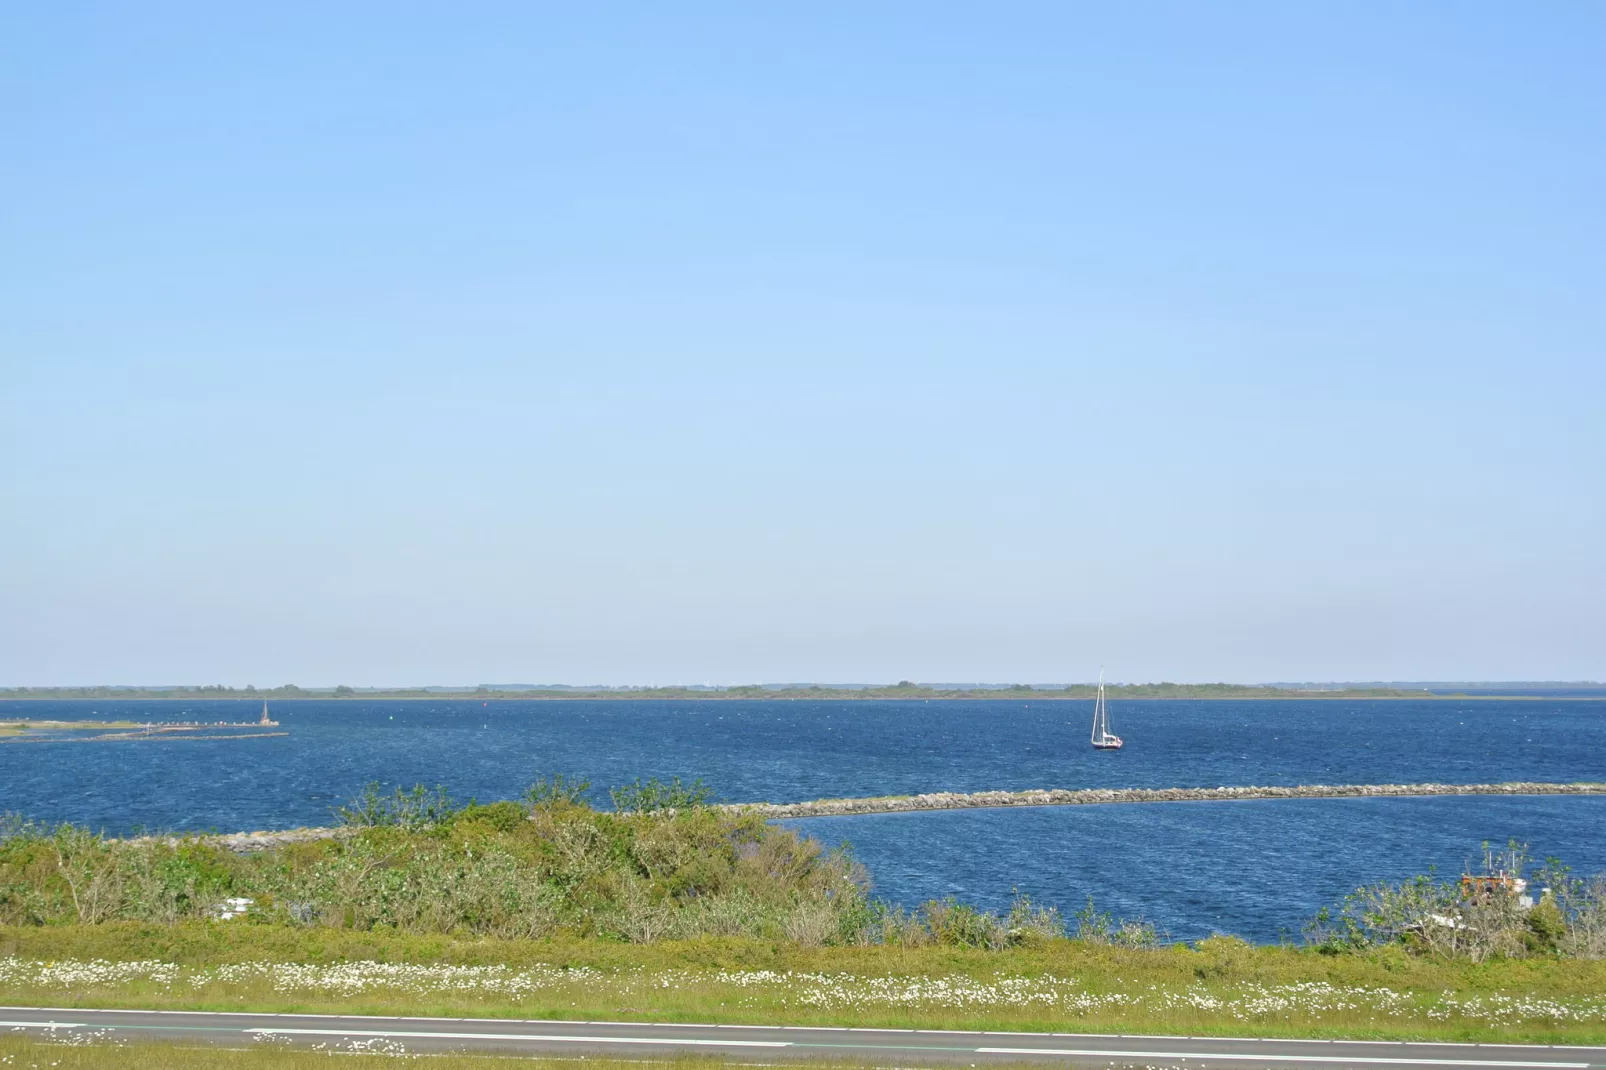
(645, 797)
(1096, 927)
(418, 808)
(412, 861)
(662, 864)
(1563, 916)
(1580, 907)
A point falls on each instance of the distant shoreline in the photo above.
(1136, 693)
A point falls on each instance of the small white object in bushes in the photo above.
(232, 908)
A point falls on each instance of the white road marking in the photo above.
(303, 1016)
(403, 1034)
(42, 1025)
(1258, 1057)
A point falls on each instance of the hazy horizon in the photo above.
(710, 343)
(840, 685)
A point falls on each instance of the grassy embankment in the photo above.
(19, 1053)
(1220, 986)
(668, 909)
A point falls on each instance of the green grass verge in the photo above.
(19, 1053)
(1222, 987)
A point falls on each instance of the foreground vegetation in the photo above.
(661, 865)
(1220, 986)
(23, 1053)
(667, 908)
(664, 864)
(20, 1053)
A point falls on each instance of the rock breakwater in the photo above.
(889, 804)
(247, 842)
(948, 800)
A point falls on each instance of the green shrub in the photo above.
(558, 790)
(645, 797)
(1581, 905)
(1029, 924)
(1220, 955)
(954, 924)
(1094, 926)
(409, 861)
(1443, 919)
(419, 808)
(501, 816)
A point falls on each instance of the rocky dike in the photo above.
(949, 800)
(945, 800)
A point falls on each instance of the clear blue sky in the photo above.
(460, 343)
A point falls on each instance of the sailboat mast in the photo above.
(1098, 708)
(1104, 710)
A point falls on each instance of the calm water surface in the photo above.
(1249, 867)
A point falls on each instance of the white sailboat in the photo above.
(1103, 738)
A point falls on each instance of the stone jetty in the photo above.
(247, 842)
(947, 800)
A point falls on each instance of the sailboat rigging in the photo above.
(1103, 738)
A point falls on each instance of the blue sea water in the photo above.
(1254, 868)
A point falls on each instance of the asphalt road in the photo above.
(759, 1043)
